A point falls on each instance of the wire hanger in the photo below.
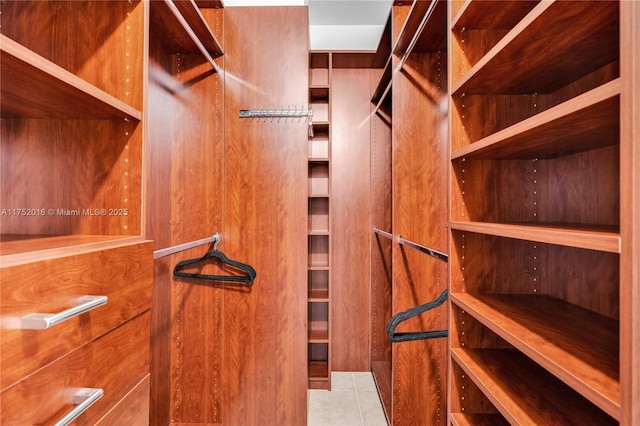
(403, 316)
(248, 276)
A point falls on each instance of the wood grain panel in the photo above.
(116, 363)
(132, 410)
(630, 212)
(420, 164)
(71, 170)
(381, 268)
(266, 63)
(110, 55)
(184, 198)
(185, 148)
(195, 343)
(123, 274)
(350, 219)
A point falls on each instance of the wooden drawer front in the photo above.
(115, 363)
(123, 274)
(133, 409)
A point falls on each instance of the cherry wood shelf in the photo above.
(473, 14)
(318, 370)
(318, 336)
(53, 91)
(576, 345)
(174, 32)
(19, 249)
(579, 236)
(318, 94)
(588, 121)
(459, 419)
(523, 392)
(433, 35)
(319, 295)
(318, 267)
(515, 65)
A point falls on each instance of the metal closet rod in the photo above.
(417, 35)
(215, 238)
(426, 250)
(383, 233)
(277, 113)
(192, 35)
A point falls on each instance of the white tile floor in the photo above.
(352, 401)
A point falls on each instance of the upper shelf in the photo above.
(195, 36)
(426, 23)
(588, 121)
(579, 236)
(21, 249)
(543, 52)
(34, 87)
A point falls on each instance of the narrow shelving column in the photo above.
(319, 267)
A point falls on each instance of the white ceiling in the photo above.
(337, 24)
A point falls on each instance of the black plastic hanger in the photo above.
(400, 317)
(248, 277)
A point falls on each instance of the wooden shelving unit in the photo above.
(71, 210)
(536, 194)
(319, 267)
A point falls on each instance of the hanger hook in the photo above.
(217, 240)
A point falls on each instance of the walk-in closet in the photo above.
(209, 218)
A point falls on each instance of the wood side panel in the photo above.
(161, 343)
(420, 173)
(381, 269)
(350, 219)
(630, 212)
(185, 157)
(265, 330)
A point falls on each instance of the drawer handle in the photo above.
(44, 321)
(83, 399)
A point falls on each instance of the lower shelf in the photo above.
(523, 392)
(577, 345)
(319, 375)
